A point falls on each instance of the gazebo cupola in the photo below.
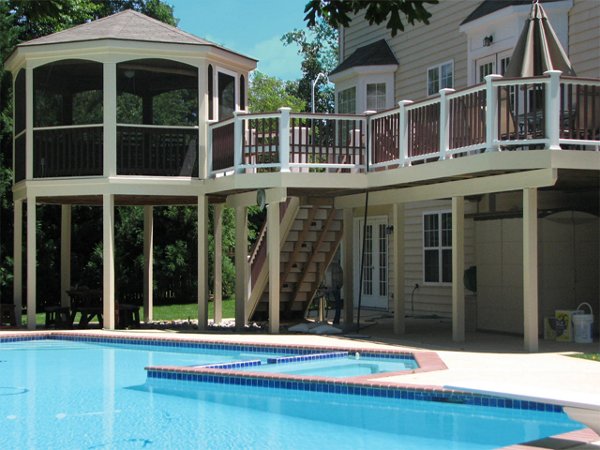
(114, 112)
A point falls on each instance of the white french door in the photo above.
(375, 276)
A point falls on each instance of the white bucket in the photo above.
(582, 324)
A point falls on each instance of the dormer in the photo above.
(365, 80)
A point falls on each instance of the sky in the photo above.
(251, 27)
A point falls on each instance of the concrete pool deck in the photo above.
(484, 362)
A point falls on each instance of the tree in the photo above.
(270, 93)
(318, 46)
(337, 12)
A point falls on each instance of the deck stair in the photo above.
(310, 236)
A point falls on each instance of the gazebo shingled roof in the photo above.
(126, 25)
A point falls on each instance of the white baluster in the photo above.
(403, 133)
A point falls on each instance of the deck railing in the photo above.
(157, 150)
(550, 112)
(63, 151)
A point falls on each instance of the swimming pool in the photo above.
(69, 394)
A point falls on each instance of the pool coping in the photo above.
(363, 385)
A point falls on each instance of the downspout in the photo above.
(364, 234)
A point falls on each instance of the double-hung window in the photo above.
(347, 101)
(437, 247)
(440, 77)
(376, 96)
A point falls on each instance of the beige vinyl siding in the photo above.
(420, 46)
(584, 37)
(429, 298)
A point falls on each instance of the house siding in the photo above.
(418, 48)
(584, 38)
(421, 46)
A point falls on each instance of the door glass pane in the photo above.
(485, 70)
(368, 267)
(226, 96)
(383, 260)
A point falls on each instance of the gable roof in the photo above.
(490, 6)
(127, 25)
(375, 54)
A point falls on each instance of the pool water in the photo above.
(73, 395)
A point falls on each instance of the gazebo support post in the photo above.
(148, 262)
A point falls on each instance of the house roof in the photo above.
(375, 54)
(127, 25)
(489, 6)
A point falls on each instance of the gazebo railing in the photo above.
(67, 151)
(157, 150)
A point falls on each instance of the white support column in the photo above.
(552, 113)
(284, 139)
(218, 261)
(28, 123)
(18, 260)
(148, 262)
(458, 267)
(348, 268)
(110, 119)
(403, 138)
(398, 224)
(65, 254)
(444, 123)
(530, 270)
(273, 255)
(108, 260)
(31, 262)
(238, 147)
(241, 266)
(491, 113)
(202, 262)
(203, 165)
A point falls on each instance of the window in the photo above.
(504, 65)
(242, 93)
(226, 92)
(376, 97)
(347, 101)
(485, 70)
(437, 247)
(440, 77)
(211, 93)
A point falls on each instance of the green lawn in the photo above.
(190, 311)
(173, 312)
(590, 356)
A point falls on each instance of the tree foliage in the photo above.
(395, 12)
(270, 93)
(318, 46)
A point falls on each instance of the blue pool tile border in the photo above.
(232, 365)
(309, 357)
(346, 388)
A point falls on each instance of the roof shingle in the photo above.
(489, 6)
(125, 25)
(375, 54)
